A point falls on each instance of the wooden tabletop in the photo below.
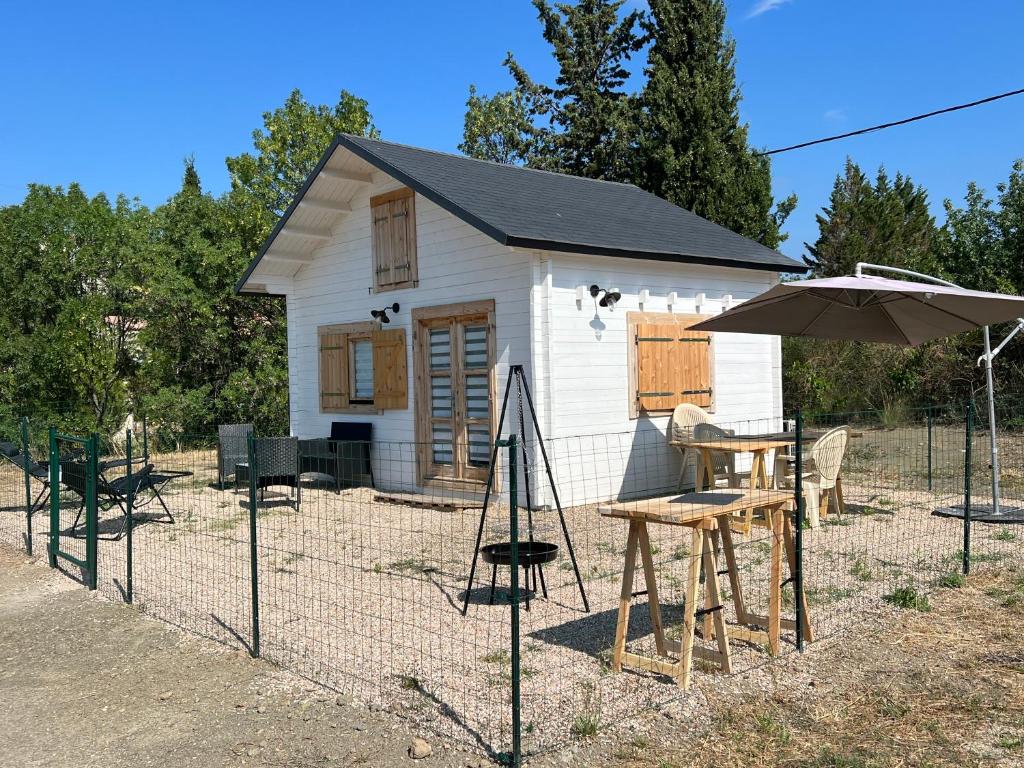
(777, 439)
(681, 509)
(738, 444)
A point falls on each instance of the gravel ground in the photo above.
(86, 683)
(364, 597)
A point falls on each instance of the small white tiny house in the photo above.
(414, 279)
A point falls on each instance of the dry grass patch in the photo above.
(935, 689)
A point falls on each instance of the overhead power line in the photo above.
(883, 126)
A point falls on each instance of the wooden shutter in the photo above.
(403, 240)
(673, 364)
(394, 239)
(390, 371)
(658, 382)
(382, 252)
(333, 371)
(695, 367)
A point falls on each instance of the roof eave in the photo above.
(788, 265)
(281, 222)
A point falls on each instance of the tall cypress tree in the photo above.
(591, 119)
(692, 148)
(886, 222)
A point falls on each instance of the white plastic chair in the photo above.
(680, 429)
(821, 481)
(722, 463)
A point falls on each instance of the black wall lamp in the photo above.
(610, 298)
(382, 314)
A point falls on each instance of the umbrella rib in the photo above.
(814, 319)
(895, 325)
(940, 309)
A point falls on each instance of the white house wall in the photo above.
(581, 369)
(457, 263)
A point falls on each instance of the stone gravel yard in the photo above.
(363, 595)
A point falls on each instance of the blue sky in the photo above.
(114, 95)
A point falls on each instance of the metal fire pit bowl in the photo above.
(532, 557)
(530, 553)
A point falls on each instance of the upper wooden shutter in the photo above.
(382, 253)
(333, 371)
(390, 371)
(403, 240)
(394, 238)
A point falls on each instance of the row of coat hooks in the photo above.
(609, 297)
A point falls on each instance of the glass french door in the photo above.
(456, 360)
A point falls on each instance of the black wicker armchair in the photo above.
(277, 463)
(232, 449)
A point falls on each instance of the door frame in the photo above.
(422, 319)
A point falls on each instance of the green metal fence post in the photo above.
(929, 448)
(54, 499)
(513, 524)
(798, 576)
(129, 590)
(91, 509)
(26, 464)
(968, 472)
(253, 565)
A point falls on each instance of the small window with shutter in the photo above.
(669, 364)
(362, 368)
(394, 240)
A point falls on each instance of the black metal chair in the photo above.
(37, 470)
(73, 476)
(232, 449)
(350, 441)
(317, 458)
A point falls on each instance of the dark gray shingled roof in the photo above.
(557, 212)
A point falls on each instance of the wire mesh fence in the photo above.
(333, 559)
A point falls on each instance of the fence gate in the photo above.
(74, 470)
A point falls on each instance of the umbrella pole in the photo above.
(992, 421)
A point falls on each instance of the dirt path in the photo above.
(84, 682)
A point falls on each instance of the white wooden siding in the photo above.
(601, 452)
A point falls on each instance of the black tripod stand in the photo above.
(515, 373)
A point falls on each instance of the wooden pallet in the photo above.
(430, 501)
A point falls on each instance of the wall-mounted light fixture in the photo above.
(698, 302)
(643, 297)
(671, 300)
(610, 298)
(382, 314)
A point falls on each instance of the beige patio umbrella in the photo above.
(869, 308)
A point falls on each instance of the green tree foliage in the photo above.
(112, 307)
(679, 137)
(72, 276)
(497, 128)
(887, 222)
(692, 147)
(286, 149)
(199, 337)
(591, 120)
(982, 245)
